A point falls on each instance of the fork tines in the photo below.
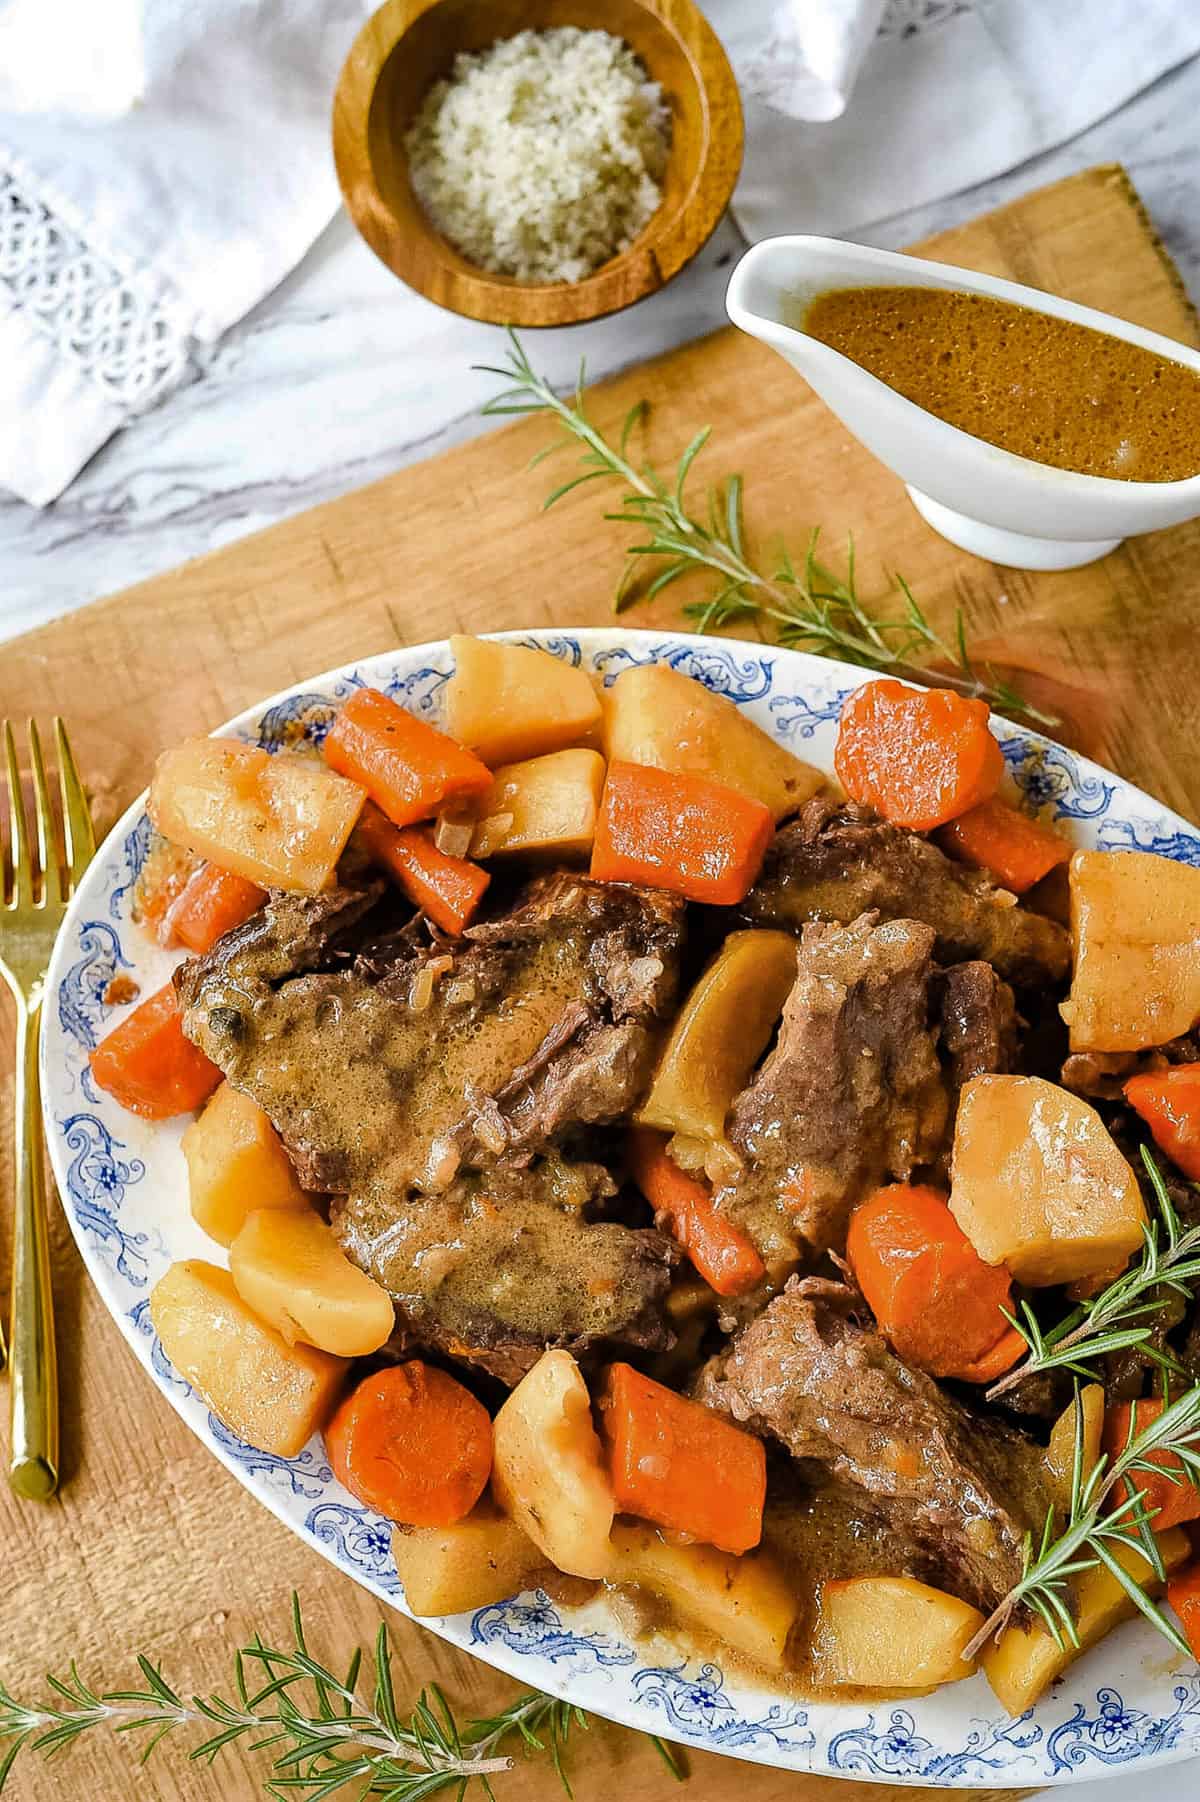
(44, 870)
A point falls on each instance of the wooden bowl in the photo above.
(409, 44)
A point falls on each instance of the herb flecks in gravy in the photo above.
(1041, 387)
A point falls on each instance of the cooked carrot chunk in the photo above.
(449, 889)
(212, 904)
(1171, 1497)
(1169, 1103)
(1010, 846)
(148, 1065)
(720, 1251)
(1183, 1593)
(934, 1297)
(676, 1463)
(408, 767)
(412, 1443)
(919, 757)
(681, 832)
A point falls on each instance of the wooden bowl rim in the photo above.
(660, 251)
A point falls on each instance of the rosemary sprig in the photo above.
(1122, 1314)
(1093, 1536)
(806, 604)
(326, 1734)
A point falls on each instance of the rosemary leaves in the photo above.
(324, 1734)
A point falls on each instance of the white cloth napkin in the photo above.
(164, 163)
(948, 93)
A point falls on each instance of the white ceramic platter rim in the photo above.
(1131, 1703)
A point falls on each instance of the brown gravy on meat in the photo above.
(1041, 387)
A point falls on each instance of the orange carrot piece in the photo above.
(412, 1443)
(148, 1065)
(1008, 1350)
(720, 1251)
(681, 832)
(1183, 1593)
(679, 1465)
(1168, 1503)
(212, 904)
(408, 767)
(449, 889)
(1169, 1103)
(919, 757)
(1014, 849)
(931, 1292)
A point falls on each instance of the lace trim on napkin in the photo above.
(134, 345)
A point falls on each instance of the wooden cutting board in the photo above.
(151, 1545)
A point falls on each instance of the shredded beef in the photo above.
(812, 1373)
(837, 860)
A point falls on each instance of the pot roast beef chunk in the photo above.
(392, 1072)
(852, 1093)
(979, 1021)
(812, 1373)
(431, 1084)
(505, 1263)
(1102, 1075)
(836, 860)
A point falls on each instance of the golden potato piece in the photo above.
(508, 701)
(484, 1558)
(891, 1633)
(280, 821)
(544, 807)
(1038, 1184)
(236, 1163)
(654, 715)
(272, 1395)
(1023, 1662)
(1135, 922)
(291, 1270)
(720, 1034)
(548, 1470)
(747, 1602)
(1060, 1453)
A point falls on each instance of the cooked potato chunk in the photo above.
(280, 821)
(720, 1034)
(545, 806)
(548, 1470)
(1025, 1661)
(1135, 922)
(236, 1163)
(891, 1633)
(272, 1395)
(748, 1602)
(291, 1270)
(1039, 1185)
(1060, 1453)
(484, 1558)
(654, 715)
(507, 701)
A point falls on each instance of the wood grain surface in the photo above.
(409, 44)
(151, 1544)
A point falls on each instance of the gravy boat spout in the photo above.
(989, 501)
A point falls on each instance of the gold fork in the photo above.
(29, 920)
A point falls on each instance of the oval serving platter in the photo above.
(1131, 1704)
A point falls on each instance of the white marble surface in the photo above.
(343, 375)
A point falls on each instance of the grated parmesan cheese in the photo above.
(541, 157)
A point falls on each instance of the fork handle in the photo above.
(33, 1362)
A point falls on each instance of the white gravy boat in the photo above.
(1006, 508)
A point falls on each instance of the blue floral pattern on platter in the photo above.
(122, 1182)
(531, 1624)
